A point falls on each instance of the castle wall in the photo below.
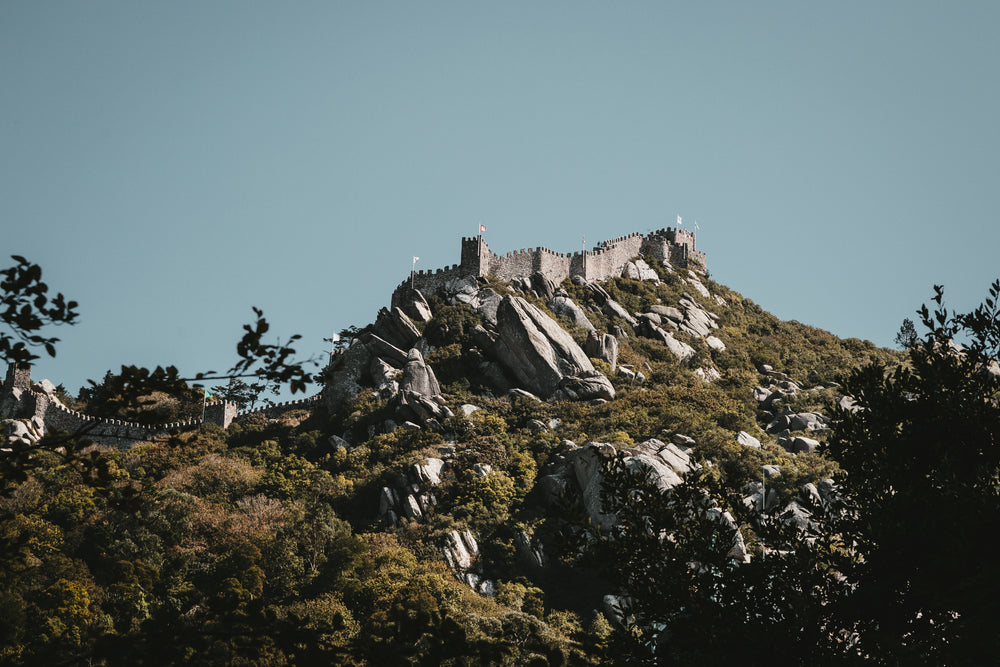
(221, 413)
(277, 409)
(124, 434)
(116, 432)
(606, 260)
(526, 261)
(110, 432)
(429, 282)
(609, 258)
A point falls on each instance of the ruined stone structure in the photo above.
(671, 246)
(20, 399)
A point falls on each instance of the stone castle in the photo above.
(36, 406)
(671, 246)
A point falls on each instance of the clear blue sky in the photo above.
(172, 164)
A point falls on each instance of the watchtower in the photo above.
(18, 377)
(475, 256)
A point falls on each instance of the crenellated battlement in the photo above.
(606, 260)
(277, 408)
(22, 400)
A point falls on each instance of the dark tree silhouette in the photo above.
(921, 462)
(26, 309)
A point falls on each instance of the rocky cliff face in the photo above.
(540, 355)
(522, 347)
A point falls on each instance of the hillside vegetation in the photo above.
(352, 535)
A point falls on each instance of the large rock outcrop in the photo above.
(538, 354)
(413, 303)
(801, 421)
(396, 328)
(639, 270)
(418, 377)
(542, 286)
(587, 385)
(648, 329)
(602, 346)
(347, 372)
(694, 319)
(609, 306)
(20, 433)
(561, 304)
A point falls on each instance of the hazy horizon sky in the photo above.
(170, 165)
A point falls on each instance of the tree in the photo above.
(342, 340)
(690, 601)
(138, 394)
(272, 363)
(921, 461)
(906, 337)
(239, 392)
(25, 309)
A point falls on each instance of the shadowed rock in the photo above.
(542, 286)
(565, 306)
(585, 386)
(802, 421)
(609, 306)
(602, 346)
(418, 377)
(386, 350)
(347, 370)
(537, 352)
(413, 303)
(396, 328)
(649, 330)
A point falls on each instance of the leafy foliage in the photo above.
(688, 598)
(26, 308)
(243, 394)
(921, 462)
(271, 362)
(141, 395)
(261, 544)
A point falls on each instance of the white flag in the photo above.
(416, 259)
(678, 221)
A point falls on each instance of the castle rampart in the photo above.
(20, 400)
(671, 246)
(277, 408)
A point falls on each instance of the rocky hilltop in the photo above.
(446, 495)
